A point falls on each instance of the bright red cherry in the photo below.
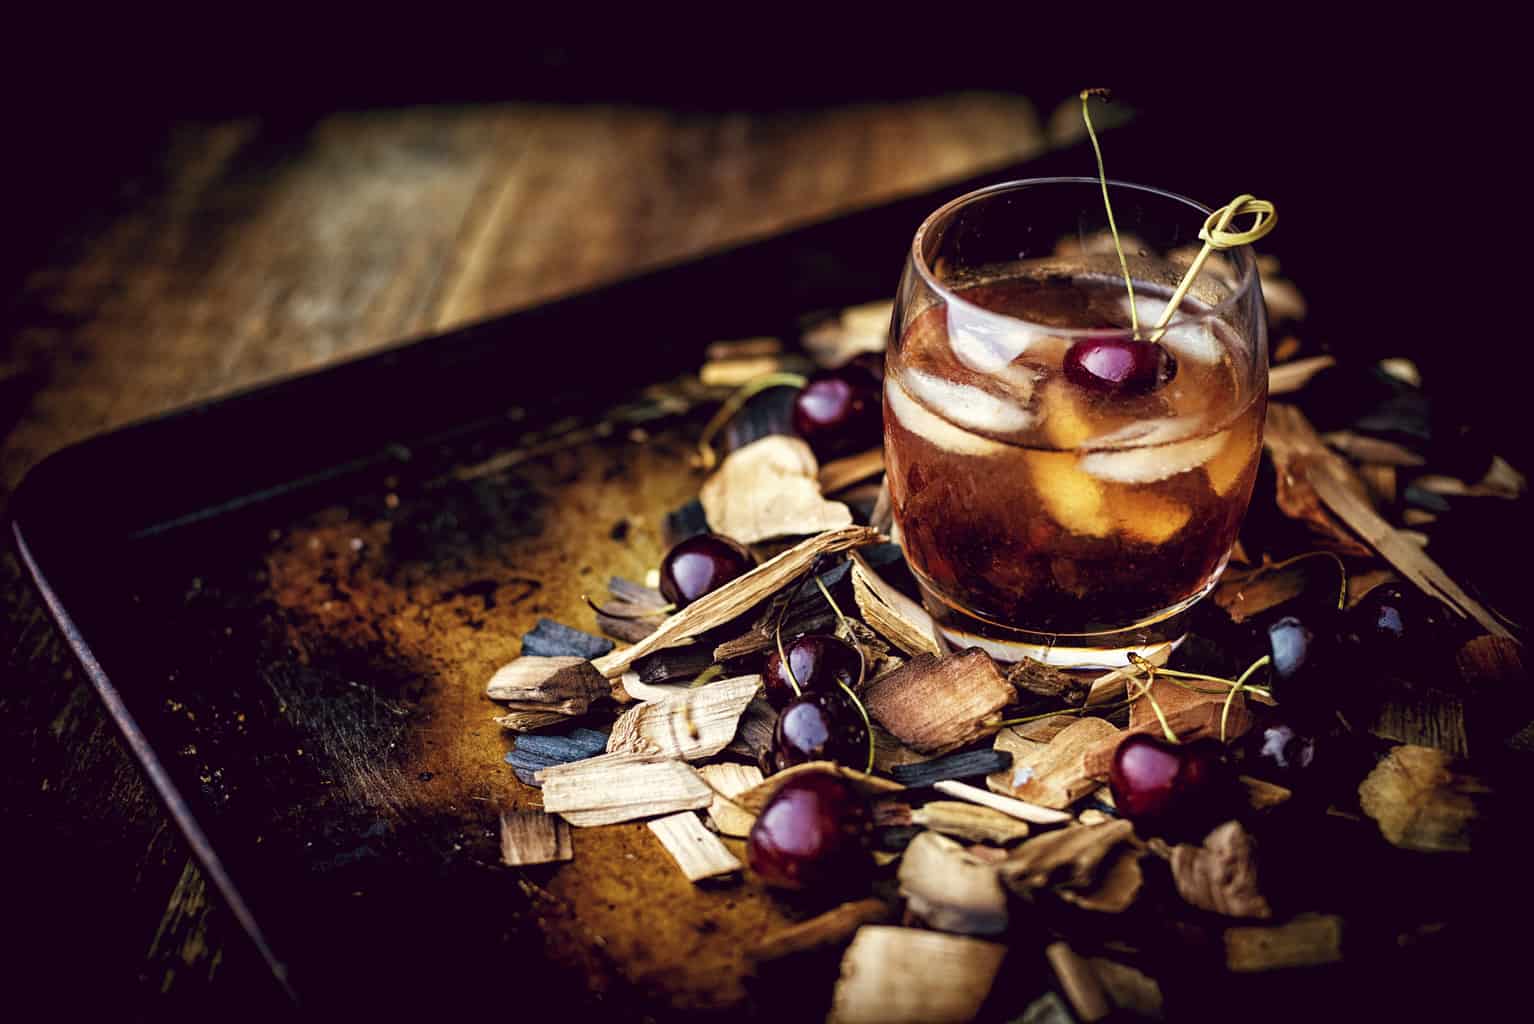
(1168, 788)
(700, 565)
(813, 832)
(819, 662)
(1119, 366)
(820, 727)
(840, 411)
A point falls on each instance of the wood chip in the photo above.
(753, 736)
(564, 685)
(937, 704)
(769, 489)
(757, 797)
(696, 850)
(1287, 377)
(555, 639)
(850, 333)
(533, 837)
(695, 724)
(1289, 433)
(1006, 805)
(729, 781)
(1381, 481)
(622, 787)
(1191, 714)
(735, 371)
(1111, 687)
(1051, 774)
(1079, 983)
(908, 976)
(742, 348)
(1308, 941)
(844, 472)
(832, 928)
(1492, 662)
(518, 720)
(1421, 802)
(969, 822)
(965, 765)
(736, 597)
(1128, 988)
(1260, 794)
(949, 889)
(1093, 866)
(1221, 875)
(1045, 682)
(1244, 594)
(905, 623)
(1371, 449)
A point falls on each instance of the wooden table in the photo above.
(246, 250)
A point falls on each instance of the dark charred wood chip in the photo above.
(634, 593)
(561, 749)
(955, 766)
(674, 663)
(896, 838)
(1418, 497)
(555, 639)
(629, 630)
(1047, 682)
(687, 521)
(768, 412)
(526, 776)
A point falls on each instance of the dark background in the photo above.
(1385, 144)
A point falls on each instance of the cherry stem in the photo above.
(733, 404)
(1102, 177)
(862, 668)
(708, 675)
(1342, 571)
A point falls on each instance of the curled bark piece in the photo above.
(1221, 875)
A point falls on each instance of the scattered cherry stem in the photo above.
(733, 404)
(1113, 228)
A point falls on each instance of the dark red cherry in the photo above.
(1400, 628)
(819, 662)
(820, 727)
(701, 565)
(813, 832)
(1309, 664)
(840, 412)
(1169, 788)
(1282, 753)
(1119, 366)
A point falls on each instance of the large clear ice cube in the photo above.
(933, 428)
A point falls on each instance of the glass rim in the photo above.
(1242, 288)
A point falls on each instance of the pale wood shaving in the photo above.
(737, 596)
(908, 976)
(969, 822)
(1307, 941)
(844, 472)
(1050, 774)
(729, 781)
(1372, 449)
(1287, 377)
(696, 850)
(1005, 804)
(533, 837)
(768, 489)
(1290, 433)
(611, 788)
(520, 720)
(693, 724)
(893, 615)
(566, 685)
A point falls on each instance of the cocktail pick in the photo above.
(1217, 234)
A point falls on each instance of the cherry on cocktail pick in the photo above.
(1118, 366)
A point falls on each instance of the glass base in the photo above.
(1108, 650)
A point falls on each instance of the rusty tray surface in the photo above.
(290, 601)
